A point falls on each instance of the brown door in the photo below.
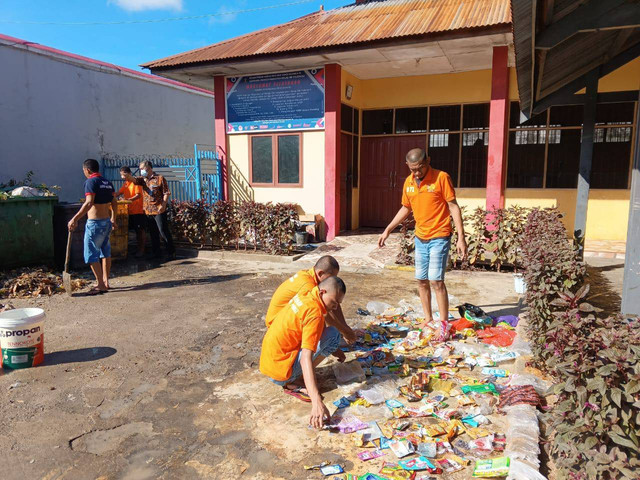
(346, 180)
(382, 174)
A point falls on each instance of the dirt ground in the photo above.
(158, 378)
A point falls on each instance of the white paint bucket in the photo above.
(22, 337)
(519, 284)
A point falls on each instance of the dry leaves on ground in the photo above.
(33, 282)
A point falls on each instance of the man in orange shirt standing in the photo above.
(303, 282)
(430, 195)
(297, 341)
(137, 218)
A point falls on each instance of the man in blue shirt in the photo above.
(100, 207)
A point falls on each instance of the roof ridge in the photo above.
(245, 35)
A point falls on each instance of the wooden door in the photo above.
(346, 180)
(382, 174)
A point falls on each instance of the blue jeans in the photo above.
(431, 258)
(329, 343)
(96, 240)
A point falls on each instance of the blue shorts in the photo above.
(329, 343)
(96, 240)
(431, 258)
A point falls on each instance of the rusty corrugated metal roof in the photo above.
(352, 24)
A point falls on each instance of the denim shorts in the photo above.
(96, 240)
(329, 343)
(431, 258)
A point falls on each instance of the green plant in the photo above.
(278, 226)
(477, 235)
(250, 215)
(595, 361)
(190, 221)
(224, 223)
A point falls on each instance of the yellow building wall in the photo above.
(607, 210)
(464, 87)
(627, 77)
(310, 196)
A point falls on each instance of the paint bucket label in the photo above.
(22, 346)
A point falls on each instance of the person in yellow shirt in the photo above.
(297, 341)
(302, 282)
(429, 194)
(137, 218)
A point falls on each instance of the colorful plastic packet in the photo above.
(409, 393)
(427, 449)
(349, 424)
(480, 388)
(443, 448)
(449, 465)
(465, 400)
(342, 402)
(484, 444)
(439, 385)
(499, 442)
(496, 372)
(493, 467)
(402, 448)
(503, 356)
(476, 432)
(370, 455)
(331, 470)
(419, 463)
(393, 471)
(434, 430)
(316, 467)
(371, 476)
(393, 403)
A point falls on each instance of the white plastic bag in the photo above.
(521, 471)
(541, 386)
(348, 372)
(377, 308)
(523, 433)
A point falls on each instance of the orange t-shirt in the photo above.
(301, 282)
(129, 190)
(429, 203)
(297, 326)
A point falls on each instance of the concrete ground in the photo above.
(158, 378)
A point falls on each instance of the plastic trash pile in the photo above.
(420, 400)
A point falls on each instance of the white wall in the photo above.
(55, 113)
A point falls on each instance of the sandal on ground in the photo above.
(96, 291)
(297, 393)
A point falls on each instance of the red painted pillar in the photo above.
(332, 98)
(220, 128)
(498, 128)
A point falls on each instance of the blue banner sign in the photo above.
(275, 102)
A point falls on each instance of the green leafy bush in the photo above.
(595, 361)
(190, 221)
(224, 223)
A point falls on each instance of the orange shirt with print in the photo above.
(130, 189)
(428, 201)
(299, 325)
(301, 282)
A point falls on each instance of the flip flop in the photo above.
(95, 291)
(298, 393)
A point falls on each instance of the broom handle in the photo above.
(66, 260)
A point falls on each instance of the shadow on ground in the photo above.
(78, 355)
(602, 292)
(179, 283)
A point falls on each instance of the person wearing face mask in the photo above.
(429, 194)
(297, 341)
(155, 200)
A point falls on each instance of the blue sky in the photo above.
(129, 45)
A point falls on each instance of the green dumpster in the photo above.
(26, 231)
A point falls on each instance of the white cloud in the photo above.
(225, 13)
(139, 5)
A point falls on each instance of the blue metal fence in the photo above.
(189, 179)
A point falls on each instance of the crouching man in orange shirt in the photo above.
(302, 282)
(297, 341)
